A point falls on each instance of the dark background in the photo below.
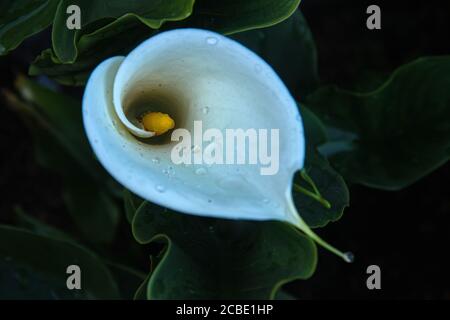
(406, 233)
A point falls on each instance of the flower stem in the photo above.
(300, 223)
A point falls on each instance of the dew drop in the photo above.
(212, 41)
(170, 171)
(156, 160)
(200, 171)
(205, 110)
(349, 257)
(160, 188)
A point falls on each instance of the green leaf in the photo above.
(127, 34)
(141, 292)
(330, 184)
(38, 227)
(393, 136)
(87, 47)
(20, 19)
(63, 114)
(34, 267)
(75, 74)
(60, 145)
(315, 131)
(127, 279)
(332, 188)
(94, 210)
(125, 26)
(231, 16)
(283, 295)
(151, 13)
(290, 49)
(220, 259)
(131, 204)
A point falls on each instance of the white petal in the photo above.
(192, 71)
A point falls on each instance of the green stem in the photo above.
(300, 223)
(315, 196)
(308, 179)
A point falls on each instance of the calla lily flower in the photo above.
(174, 79)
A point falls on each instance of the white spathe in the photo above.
(200, 75)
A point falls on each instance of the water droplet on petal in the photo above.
(200, 171)
(156, 160)
(160, 188)
(212, 41)
(205, 110)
